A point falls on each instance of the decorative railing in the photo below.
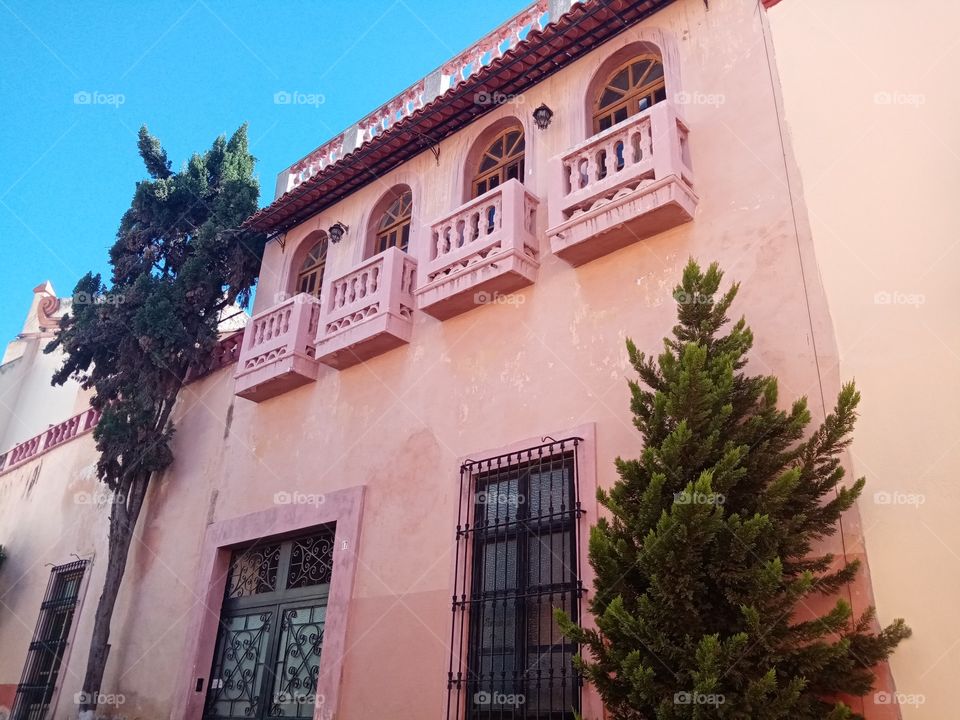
(495, 44)
(283, 330)
(384, 283)
(485, 249)
(224, 353)
(449, 75)
(624, 184)
(473, 232)
(648, 146)
(50, 438)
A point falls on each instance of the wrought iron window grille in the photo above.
(267, 657)
(517, 558)
(50, 639)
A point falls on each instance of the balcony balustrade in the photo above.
(484, 248)
(367, 311)
(277, 353)
(624, 184)
(51, 437)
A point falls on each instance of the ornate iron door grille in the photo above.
(267, 657)
(39, 678)
(517, 560)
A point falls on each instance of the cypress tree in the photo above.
(707, 562)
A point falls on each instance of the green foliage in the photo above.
(178, 260)
(707, 568)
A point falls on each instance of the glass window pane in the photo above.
(638, 69)
(236, 681)
(499, 566)
(549, 561)
(655, 73)
(549, 491)
(311, 561)
(609, 97)
(621, 81)
(498, 626)
(253, 571)
(550, 681)
(297, 664)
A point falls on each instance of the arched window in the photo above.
(501, 161)
(310, 272)
(393, 227)
(631, 88)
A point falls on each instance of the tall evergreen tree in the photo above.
(179, 260)
(708, 565)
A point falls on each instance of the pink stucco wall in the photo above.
(399, 424)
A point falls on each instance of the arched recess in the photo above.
(630, 79)
(307, 265)
(496, 155)
(391, 222)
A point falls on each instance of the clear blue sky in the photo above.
(190, 70)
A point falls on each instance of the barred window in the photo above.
(518, 539)
(50, 638)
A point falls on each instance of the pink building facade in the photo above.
(441, 315)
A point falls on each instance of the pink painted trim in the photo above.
(344, 507)
(592, 706)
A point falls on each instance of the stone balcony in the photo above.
(484, 248)
(277, 353)
(624, 184)
(368, 311)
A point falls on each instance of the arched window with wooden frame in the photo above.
(393, 225)
(310, 269)
(502, 160)
(630, 89)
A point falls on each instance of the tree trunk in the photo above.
(123, 521)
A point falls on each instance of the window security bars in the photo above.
(517, 559)
(50, 638)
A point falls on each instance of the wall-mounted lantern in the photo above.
(336, 232)
(542, 116)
